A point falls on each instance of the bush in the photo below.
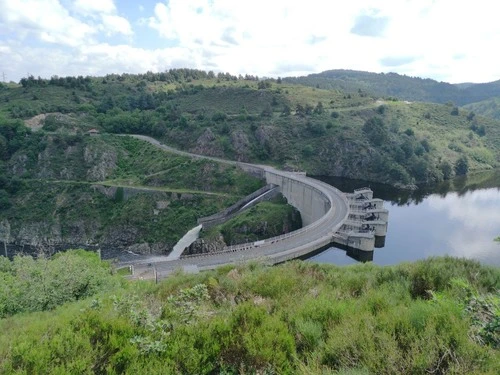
(42, 284)
(376, 131)
(4, 200)
(462, 166)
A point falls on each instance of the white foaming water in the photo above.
(184, 242)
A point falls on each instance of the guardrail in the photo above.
(362, 189)
(272, 240)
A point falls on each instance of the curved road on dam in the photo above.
(273, 250)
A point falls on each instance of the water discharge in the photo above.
(188, 239)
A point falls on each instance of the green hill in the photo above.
(488, 108)
(293, 126)
(115, 193)
(400, 86)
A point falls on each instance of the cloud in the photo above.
(477, 215)
(229, 36)
(314, 39)
(47, 20)
(116, 25)
(366, 25)
(392, 61)
(95, 6)
(478, 209)
(263, 37)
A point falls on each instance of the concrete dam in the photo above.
(328, 216)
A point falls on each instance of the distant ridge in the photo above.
(400, 86)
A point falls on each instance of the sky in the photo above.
(446, 40)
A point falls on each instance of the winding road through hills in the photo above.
(321, 224)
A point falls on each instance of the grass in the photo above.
(298, 317)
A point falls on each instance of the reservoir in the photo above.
(459, 218)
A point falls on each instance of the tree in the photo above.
(286, 110)
(4, 200)
(381, 109)
(267, 111)
(319, 109)
(462, 166)
(454, 111)
(307, 150)
(446, 170)
(375, 130)
(299, 110)
(308, 109)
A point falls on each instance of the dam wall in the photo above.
(307, 199)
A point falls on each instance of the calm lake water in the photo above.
(459, 218)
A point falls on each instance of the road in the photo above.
(273, 250)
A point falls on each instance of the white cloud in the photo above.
(478, 209)
(276, 31)
(95, 6)
(116, 25)
(446, 40)
(48, 20)
(477, 215)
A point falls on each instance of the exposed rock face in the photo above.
(263, 134)
(241, 145)
(18, 164)
(338, 160)
(48, 238)
(207, 144)
(204, 246)
(102, 164)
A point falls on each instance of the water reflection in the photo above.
(401, 197)
(459, 218)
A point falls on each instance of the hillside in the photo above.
(324, 132)
(60, 190)
(488, 107)
(440, 315)
(400, 86)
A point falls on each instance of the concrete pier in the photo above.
(367, 220)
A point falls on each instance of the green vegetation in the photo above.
(440, 315)
(394, 85)
(62, 188)
(80, 213)
(322, 131)
(41, 284)
(489, 107)
(264, 220)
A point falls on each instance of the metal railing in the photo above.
(301, 231)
